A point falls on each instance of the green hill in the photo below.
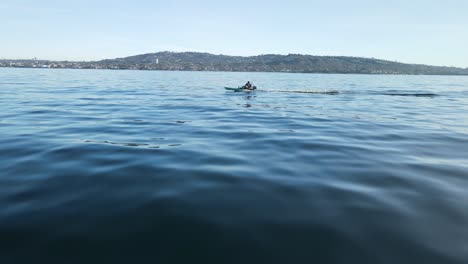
(193, 61)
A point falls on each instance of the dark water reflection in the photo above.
(167, 167)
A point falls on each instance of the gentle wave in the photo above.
(330, 92)
(411, 94)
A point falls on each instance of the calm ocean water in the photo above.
(104, 166)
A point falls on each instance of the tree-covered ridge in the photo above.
(194, 61)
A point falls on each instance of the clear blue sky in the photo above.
(416, 31)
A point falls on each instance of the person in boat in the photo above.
(249, 86)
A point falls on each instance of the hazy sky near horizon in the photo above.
(416, 31)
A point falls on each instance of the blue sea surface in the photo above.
(100, 166)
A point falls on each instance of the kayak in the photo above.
(238, 89)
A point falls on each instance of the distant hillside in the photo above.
(193, 61)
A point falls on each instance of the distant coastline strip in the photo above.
(291, 63)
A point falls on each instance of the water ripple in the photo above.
(135, 166)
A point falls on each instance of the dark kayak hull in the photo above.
(238, 89)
